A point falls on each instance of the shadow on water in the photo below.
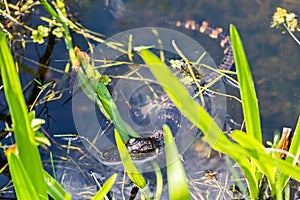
(273, 58)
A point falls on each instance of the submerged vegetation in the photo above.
(267, 170)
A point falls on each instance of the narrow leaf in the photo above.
(105, 188)
(256, 149)
(22, 183)
(159, 180)
(28, 151)
(294, 150)
(295, 147)
(129, 166)
(177, 181)
(194, 112)
(90, 85)
(124, 129)
(54, 189)
(247, 90)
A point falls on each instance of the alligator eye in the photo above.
(132, 141)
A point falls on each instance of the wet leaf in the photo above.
(105, 188)
(177, 181)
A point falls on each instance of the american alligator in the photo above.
(164, 108)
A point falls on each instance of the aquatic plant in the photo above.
(30, 180)
(247, 150)
(286, 19)
(39, 34)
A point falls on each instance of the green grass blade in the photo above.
(177, 181)
(183, 101)
(124, 129)
(90, 84)
(159, 180)
(128, 164)
(286, 167)
(295, 147)
(105, 188)
(294, 150)
(22, 183)
(89, 90)
(49, 9)
(24, 135)
(60, 18)
(265, 162)
(256, 149)
(54, 189)
(192, 110)
(247, 90)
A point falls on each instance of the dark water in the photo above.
(273, 56)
